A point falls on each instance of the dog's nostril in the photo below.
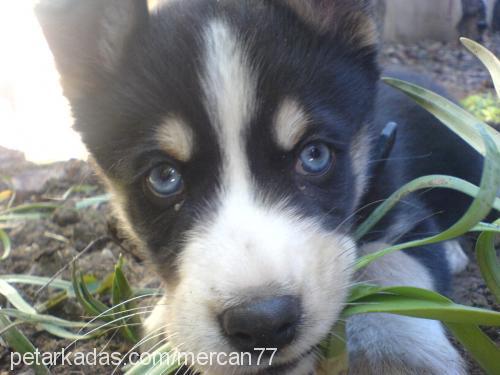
(262, 323)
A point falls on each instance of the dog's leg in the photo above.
(456, 256)
(395, 345)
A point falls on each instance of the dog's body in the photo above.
(239, 138)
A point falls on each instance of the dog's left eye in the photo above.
(164, 181)
(315, 159)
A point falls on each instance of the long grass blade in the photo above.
(487, 58)
(477, 211)
(40, 281)
(121, 293)
(20, 343)
(6, 244)
(454, 117)
(421, 303)
(479, 345)
(425, 182)
(488, 261)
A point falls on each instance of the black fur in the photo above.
(160, 75)
(423, 147)
(336, 81)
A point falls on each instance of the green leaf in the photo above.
(486, 227)
(479, 345)
(369, 291)
(487, 58)
(6, 244)
(19, 343)
(421, 303)
(13, 296)
(362, 290)
(22, 217)
(24, 309)
(454, 117)
(94, 201)
(425, 182)
(40, 281)
(486, 107)
(334, 349)
(488, 261)
(78, 189)
(78, 283)
(122, 293)
(43, 318)
(31, 208)
(68, 287)
(52, 302)
(62, 333)
(100, 307)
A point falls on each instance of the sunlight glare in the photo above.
(34, 116)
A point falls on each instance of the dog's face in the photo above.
(233, 136)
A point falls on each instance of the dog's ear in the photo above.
(87, 37)
(352, 21)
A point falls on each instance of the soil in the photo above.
(46, 246)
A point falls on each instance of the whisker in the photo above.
(152, 335)
(102, 326)
(111, 309)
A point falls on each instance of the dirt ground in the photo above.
(46, 246)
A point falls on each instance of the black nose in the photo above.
(262, 323)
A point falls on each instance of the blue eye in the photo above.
(314, 159)
(165, 181)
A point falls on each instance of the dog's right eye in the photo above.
(164, 181)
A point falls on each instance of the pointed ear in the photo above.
(352, 21)
(88, 37)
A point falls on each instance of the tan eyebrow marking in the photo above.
(290, 124)
(176, 138)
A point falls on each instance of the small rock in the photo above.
(65, 216)
(107, 254)
(34, 180)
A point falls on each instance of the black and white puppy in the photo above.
(238, 138)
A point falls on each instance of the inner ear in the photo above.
(352, 21)
(88, 37)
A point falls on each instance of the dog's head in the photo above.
(233, 136)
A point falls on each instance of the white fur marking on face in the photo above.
(229, 88)
(248, 249)
(176, 138)
(290, 124)
(360, 155)
(253, 251)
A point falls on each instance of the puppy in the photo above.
(239, 140)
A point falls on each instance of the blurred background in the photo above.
(35, 118)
